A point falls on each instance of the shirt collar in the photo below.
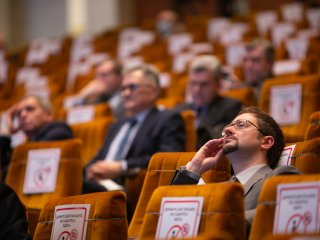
(246, 174)
(142, 115)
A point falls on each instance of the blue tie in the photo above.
(123, 142)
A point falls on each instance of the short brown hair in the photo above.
(269, 127)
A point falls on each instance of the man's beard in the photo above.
(229, 148)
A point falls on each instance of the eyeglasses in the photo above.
(241, 124)
(132, 87)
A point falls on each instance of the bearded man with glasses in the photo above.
(253, 142)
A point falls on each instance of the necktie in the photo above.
(124, 140)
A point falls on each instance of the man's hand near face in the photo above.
(207, 157)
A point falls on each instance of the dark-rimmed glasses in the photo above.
(241, 124)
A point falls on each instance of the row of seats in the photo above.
(161, 169)
(223, 206)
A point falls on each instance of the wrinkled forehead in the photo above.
(247, 116)
(135, 76)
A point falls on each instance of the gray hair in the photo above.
(206, 63)
(150, 73)
(44, 103)
(266, 45)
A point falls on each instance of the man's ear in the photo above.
(267, 142)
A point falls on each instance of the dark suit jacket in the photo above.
(13, 220)
(221, 111)
(161, 131)
(52, 131)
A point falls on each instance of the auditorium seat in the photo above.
(107, 218)
(310, 94)
(263, 221)
(69, 179)
(245, 95)
(161, 169)
(222, 214)
(92, 134)
(313, 130)
(306, 156)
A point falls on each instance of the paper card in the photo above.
(165, 80)
(281, 31)
(178, 42)
(286, 66)
(292, 12)
(297, 48)
(313, 17)
(70, 222)
(297, 209)
(180, 61)
(233, 34)
(198, 48)
(285, 158)
(41, 170)
(235, 54)
(216, 26)
(265, 20)
(80, 114)
(285, 106)
(26, 74)
(179, 217)
(308, 33)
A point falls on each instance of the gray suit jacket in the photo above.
(251, 188)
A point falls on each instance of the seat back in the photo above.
(160, 172)
(107, 218)
(309, 102)
(263, 221)
(306, 156)
(246, 95)
(191, 134)
(222, 213)
(92, 134)
(313, 130)
(69, 179)
(99, 110)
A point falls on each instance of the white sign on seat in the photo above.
(179, 217)
(70, 222)
(41, 170)
(297, 209)
(285, 103)
(80, 114)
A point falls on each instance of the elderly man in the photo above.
(34, 117)
(131, 142)
(258, 63)
(253, 142)
(105, 87)
(212, 111)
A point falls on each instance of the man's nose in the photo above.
(229, 130)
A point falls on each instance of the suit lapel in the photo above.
(144, 128)
(260, 174)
